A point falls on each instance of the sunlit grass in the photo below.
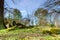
(26, 34)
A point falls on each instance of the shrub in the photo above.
(46, 32)
(52, 25)
(52, 31)
(55, 31)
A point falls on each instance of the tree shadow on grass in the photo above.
(2, 27)
(26, 27)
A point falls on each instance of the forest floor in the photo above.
(27, 34)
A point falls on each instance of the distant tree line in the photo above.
(46, 15)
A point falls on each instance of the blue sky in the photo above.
(25, 6)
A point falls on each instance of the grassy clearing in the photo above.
(26, 34)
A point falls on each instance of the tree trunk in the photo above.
(1, 12)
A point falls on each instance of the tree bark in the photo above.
(1, 12)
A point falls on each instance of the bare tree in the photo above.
(57, 19)
(51, 3)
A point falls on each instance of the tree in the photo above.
(12, 14)
(14, 1)
(26, 21)
(17, 14)
(51, 4)
(51, 14)
(54, 17)
(41, 13)
(1, 12)
(57, 19)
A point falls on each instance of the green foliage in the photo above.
(55, 31)
(26, 34)
(41, 14)
(17, 14)
(51, 31)
(41, 11)
(52, 25)
(46, 32)
(2, 27)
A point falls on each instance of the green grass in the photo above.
(26, 34)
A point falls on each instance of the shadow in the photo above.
(21, 26)
(26, 27)
(18, 26)
(2, 27)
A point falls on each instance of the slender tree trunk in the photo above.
(1, 12)
(50, 19)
